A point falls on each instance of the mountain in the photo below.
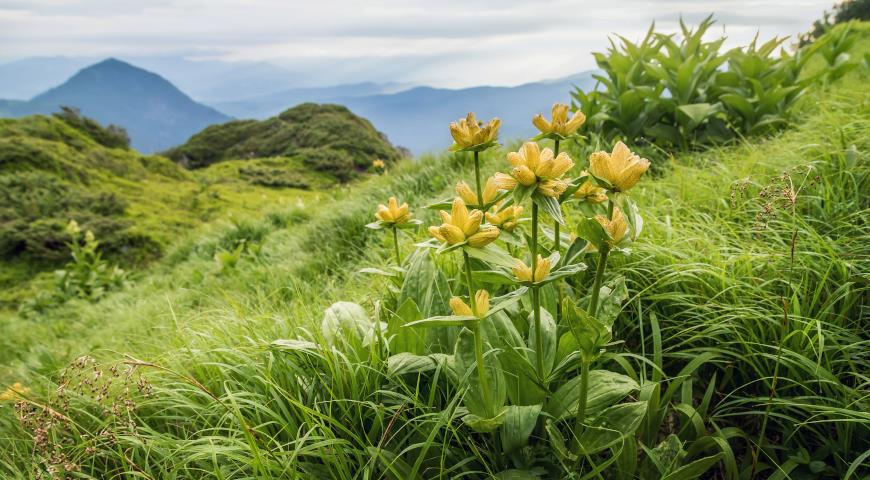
(155, 113)
(417, 118)
(324, 138)
(274, 103)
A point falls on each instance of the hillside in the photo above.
(325, 138)
(155, 113)
(57, 168)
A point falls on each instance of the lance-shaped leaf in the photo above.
(519, 422)
(549, 205)
(611, 426)
(606, 389)
(485, 425)
(492, 255)
(590, 230)
(497, 304)
(402, 363)
(575, 185)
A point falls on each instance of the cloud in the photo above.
(448, 43)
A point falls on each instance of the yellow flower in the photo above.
(378, 164)
(72, 228)
(524, 273)
(15, 391)
(615, 228)
(468, 133)
(460, 225)
(531, 167)
(553, 187)
(589, 191)
(621, 168)
(490, 191)
(481, 303)
(393, 214)
(505, 218)
(560, 124)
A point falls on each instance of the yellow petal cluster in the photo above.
(378, 164)
(589, 191)
(468, 133)
(72, 228)
(616, 228)
(532, 166)
(560, 123)
(481, 304)
(505, 218)
(490, 191)
(523, 272)
(14, 392)
(460, 225)
(621, 168)
(393, 213)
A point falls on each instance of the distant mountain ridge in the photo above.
(155, 113)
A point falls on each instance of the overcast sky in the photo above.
(438, 42)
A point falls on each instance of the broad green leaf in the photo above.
(550, 205)
(402, 363)
(444, 321)
(402, 338)
(549, 337)
(590, 230)
(293, 344)
(606, 389)
(347, 322)
(695, 469)
(465, 362)
(609, 427)
(519, 422)
(485, 425)
(492, 255)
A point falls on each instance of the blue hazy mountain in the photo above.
(417, 118)
(155, 113)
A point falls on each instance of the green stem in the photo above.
(536, 299)
(396, 246)
(556, 242)
(477, 180)
(482, 380)
(599, 272)
(584, 390)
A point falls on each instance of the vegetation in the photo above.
(687, 93)
(326, 138)
(728, 341)
(844, 11)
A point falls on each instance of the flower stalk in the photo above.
(482, 378)
(477, 180)
(396, 245)
(536, 298)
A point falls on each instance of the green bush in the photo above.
(111, 136)
(687, 94)
(327, 138)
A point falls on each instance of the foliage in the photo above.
(687, 93)
(87, 276)
(328, 138)
(726, 298)
(844, 11)
(111, 136)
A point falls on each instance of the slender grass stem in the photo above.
(477, 180)
(396, 246)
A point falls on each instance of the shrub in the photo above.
(687, 94)
(111, 136)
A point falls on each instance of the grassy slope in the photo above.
(699, 253)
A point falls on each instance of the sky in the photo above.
(446, 43)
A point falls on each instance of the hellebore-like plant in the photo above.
(394, 217)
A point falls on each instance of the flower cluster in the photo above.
(460, 226)
(470, 135)
(537, 170)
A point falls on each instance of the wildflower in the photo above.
(481, 304)
(490, 192)
(378, 164)
(468, 134)
(535, 168)
(89, 237)
(560, 125)
(460, 225)
(72, 228)
(394, 214)
(621, 168)
(616, 227)
(523, 272)
(589, 191)
(505, 218)
(16, 391)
